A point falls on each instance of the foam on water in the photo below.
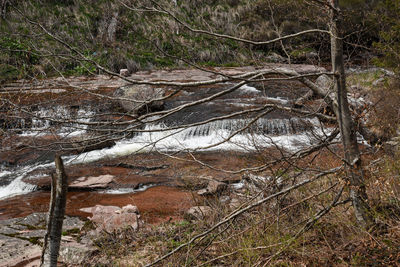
(278, 100)
(5, 173)
(41, 124)
(120, 191)
(209, 137)
(17, 186)
(248, 89)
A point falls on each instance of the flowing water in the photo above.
(242, 133)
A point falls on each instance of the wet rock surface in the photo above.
(157, 204)
(138, 98)
(21, 238)
(166, 196)
(92, 182)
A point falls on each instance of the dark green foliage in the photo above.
(387, 19)
(8, 72)
(144, 40)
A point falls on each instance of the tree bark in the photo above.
(349, 139)
(55, 217)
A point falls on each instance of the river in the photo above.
(28, 140)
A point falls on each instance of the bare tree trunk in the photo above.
(349, 139)
(55, 217)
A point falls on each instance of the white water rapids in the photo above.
(290, 134)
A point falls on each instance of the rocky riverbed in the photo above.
(128, 167)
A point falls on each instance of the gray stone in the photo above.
(324, 81)
(213, 187)
(112, 218)
(124, 72)
(14, 251)
(35, 225)
(74, 253)
(137, 95)
(275, 58)
(32, 234)
(198, 212)
(37, 220)
(20, 235)
(72, 223)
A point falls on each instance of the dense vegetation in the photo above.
(117, 37)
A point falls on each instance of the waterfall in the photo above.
(44, 120)
(288, 133)
(261, 126)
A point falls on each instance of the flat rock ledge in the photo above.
(94, 182)
(21, 241)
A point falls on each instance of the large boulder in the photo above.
(324, 81)
(136, 95)
(112, 218)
